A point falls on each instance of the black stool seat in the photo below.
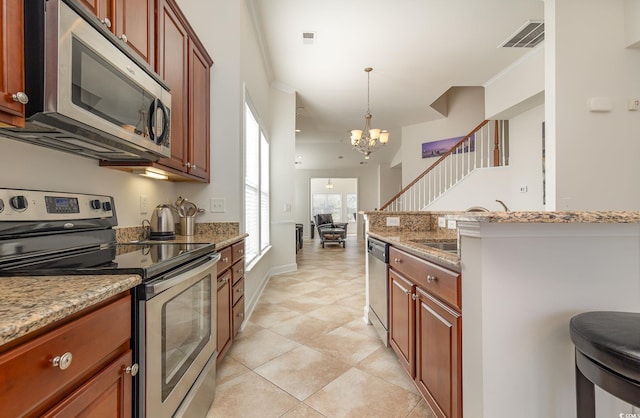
(608, 355)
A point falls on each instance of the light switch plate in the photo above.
(451, 224)
(442, 222)
(393, 221)
(217, 205)
(144, 204)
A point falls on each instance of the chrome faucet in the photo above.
(506, 209)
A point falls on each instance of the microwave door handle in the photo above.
(156, 106)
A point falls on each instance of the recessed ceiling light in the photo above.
(299, 157)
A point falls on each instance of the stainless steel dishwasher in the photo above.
(378, 258)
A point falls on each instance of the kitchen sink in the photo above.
(450, 246)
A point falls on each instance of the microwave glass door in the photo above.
(99, 87)
(186, 329)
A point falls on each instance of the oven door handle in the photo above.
(179, 275)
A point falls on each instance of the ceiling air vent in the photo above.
(528, 36)
(308, 38)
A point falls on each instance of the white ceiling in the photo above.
(418, 50)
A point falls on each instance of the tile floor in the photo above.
(306, 351)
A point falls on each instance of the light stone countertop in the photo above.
(548, 217)
(28, 303)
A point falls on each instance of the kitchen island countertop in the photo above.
(28, 303)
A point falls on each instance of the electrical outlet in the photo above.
(451, 224)
(393, 221)
(144, 204)
(217, 205)
(442, 222)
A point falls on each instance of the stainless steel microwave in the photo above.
(87, 94)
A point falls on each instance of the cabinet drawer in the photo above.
(238, 271)
(31, 382)
(225, 259)
(440, 282)
(238, 250)
(238, 290)
(238, 315)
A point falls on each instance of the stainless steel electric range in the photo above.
(174, 323)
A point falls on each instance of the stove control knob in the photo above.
(95, 204)
(106, 206)
(19, 203)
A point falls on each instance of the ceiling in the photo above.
(418, 50)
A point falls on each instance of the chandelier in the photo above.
(368, 140)
(329, 185)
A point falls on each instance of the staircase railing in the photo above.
(485, 146)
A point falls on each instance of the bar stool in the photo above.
(608, 355)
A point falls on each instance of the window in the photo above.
(256, 186)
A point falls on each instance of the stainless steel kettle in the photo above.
(162, 226)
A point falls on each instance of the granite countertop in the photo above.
(220, 240)
(32, 302)
(547, 217)
(407, 242)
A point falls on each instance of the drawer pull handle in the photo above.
(133, 369)
(63, 361)
(240, 271)
(240, 252)
(239, 290)
(240, 315)
(397, 260)
(431, 279)
(225, 259)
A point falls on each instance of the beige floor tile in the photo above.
(229, 369)
(248, 396)
(335, 314)
(368, 396)
(267, 315)
(422, 410)
(383, 364)
(303, 411)
(346, 345)
(302, 372)
(260, 347)
(303, 329)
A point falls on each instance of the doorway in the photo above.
(337, 196)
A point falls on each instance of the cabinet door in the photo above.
(173, 44)
(107, 394)
(11, 62)
(224, 326)
(438, 355)
(199, 115)
(401, 320)
(134, 24)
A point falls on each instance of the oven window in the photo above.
(100, 88)
(186, 329)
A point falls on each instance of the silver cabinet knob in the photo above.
(123, 37)
(225, 259)
(194, 166)
(240, 315)
(431, 279)
(133, 369)
(240, 271)
(188, 164)
(63, 361)
(106, 22)
(397, 260)
(414, 296)
(20, 97)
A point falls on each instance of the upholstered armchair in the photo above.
(328, 231)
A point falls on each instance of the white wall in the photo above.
(466, 111)
(594, 165)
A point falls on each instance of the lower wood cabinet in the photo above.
(83, 367)
(426, 329)
(230, 295)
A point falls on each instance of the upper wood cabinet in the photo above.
(12, 62)
(132, 21)
(185, 65)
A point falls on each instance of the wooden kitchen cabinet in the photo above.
(132, 21)
(11, 62)
(230, 295)
(94, 347)
(426, 328)
(185, 66)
